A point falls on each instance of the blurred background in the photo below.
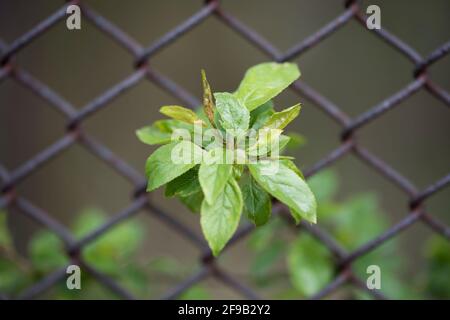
(353, 68)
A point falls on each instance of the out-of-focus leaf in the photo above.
(310, 266)
(165, 265)
(46, 252)
(262, 237)
(5, 236)
(358, 221)
(135, 279)
(324, 185)
(115, 246)
(265, 259)
(438, 268)
(13, 278)
(196, 292)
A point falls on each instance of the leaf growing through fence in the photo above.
(213, 176)
(265, 81)
(161, 167)
(233, 114)
(220, 219)
(286, 185)
(184, 185)
(279, 120)
(206, 181)
(257, 203)
(151, 135)
(181, 114)
(260, 115)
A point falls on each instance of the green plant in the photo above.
(309, 264)
(227, 170)
(114, 253)
(437, 279)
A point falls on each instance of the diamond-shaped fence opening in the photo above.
(142, 71)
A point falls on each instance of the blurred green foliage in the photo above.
(289, 265)
(352, 222)
(115, 253)
(438, 268)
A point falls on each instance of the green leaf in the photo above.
(266, 259)
(169, 125)
(283, 183)
(208, 102)
(193, 201)
(47, 252)
(438, 268)
(200, 112)
(324, 185)
(293, 167)
(112, 248)
(296, 141)
(184, 185)
(260, 115)
(181, 114)
(196, 292)
(263, 236)
(265, 81)
(283, 142)
(167, 163)
(220, 220)
(238, 170)
(358, 221)
(161, 131)
(266, 142)
(279, 120)
(257, 203)
(14, 278)
(234, 115)
(214, 176)
(310, 267)
(5, 236)
(151, 135)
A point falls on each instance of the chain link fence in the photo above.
(75, 134)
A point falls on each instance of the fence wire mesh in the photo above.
(75, 134)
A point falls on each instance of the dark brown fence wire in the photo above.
(142, 70)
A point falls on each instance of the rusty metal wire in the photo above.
(142, 71)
